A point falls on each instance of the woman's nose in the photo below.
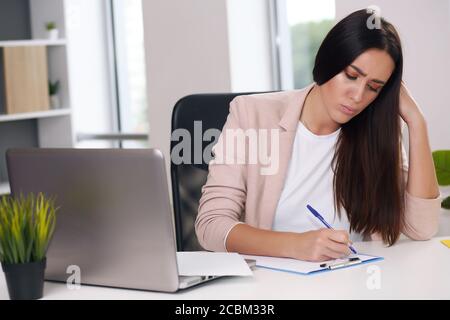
(357, 93)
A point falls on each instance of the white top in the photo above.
(309, 180)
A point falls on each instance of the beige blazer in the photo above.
(242, 192)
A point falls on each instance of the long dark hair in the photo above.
(368, 180)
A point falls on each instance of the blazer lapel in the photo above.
(288, 128)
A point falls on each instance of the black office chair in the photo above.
(188, 179)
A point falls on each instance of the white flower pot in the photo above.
(54, 102)
(53, 34)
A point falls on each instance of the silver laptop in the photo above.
(115, 224)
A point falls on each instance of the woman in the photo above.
(339, 147)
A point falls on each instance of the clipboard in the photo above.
(309, 268)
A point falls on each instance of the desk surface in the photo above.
(410, 270)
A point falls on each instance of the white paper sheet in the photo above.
(202, 263)
(298, 266)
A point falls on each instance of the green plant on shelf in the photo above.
(441, 159)
(50, 25)
(53, 87)
(27, 224)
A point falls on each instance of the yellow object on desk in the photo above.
(446, 243)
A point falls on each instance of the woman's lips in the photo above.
(347, 110)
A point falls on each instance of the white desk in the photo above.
(410, 270)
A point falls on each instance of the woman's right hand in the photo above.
(319, 245)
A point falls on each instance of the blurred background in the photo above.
(115, 68)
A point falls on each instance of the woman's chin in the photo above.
(342, 118)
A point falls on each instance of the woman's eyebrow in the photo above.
(364, 74)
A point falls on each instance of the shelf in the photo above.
(4, 188)
(34, 115)
(34, 42)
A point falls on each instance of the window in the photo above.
(307, 22)
(130, 77)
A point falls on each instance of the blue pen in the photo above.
(319, 216)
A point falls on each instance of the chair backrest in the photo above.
(195, 114)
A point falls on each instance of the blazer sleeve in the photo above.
(421, 220)
(223, 197)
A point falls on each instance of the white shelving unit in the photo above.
(33, 42)
(52, 128)
(35, 115)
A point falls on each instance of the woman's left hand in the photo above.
(409, 109)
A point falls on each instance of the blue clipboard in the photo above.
(309, 268)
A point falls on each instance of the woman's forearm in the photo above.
(315, 245)
(245, 239)
(422, 181)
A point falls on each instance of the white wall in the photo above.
(90, 90)
(249, 45)
(198, 46)
(186, 52)
(424, 28)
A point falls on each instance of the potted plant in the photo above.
(53, 88)
(441, 159)
(26, 227)
(52, 31)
